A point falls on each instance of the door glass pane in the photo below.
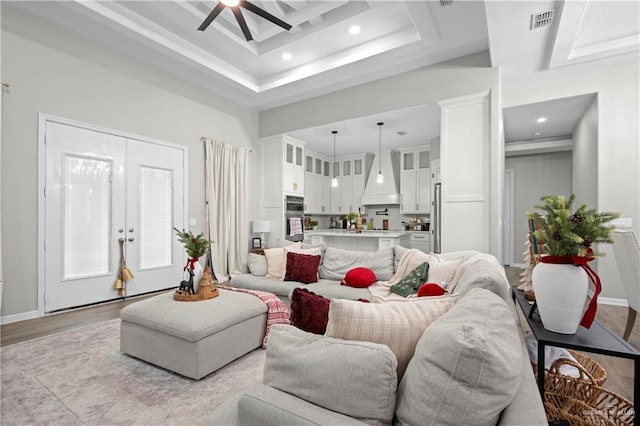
(423, 160)
(298, 156)
(336, 168)
(407, 160)
(326, 168)
(86, 216)
(156, 201)
(346, 168)
(309, 164)
(318, 166)
(289, 153)
(357, 166)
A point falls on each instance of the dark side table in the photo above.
(597, 339)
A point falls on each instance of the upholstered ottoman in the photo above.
(193, 338)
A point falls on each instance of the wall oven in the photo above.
(293, 218)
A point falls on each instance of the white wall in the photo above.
(618, 160)
(535, 176)
(109, 91)
(585, 157)
(471, 74)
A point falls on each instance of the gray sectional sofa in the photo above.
(335, 264)
(470, 366)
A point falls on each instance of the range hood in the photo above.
(388, 192)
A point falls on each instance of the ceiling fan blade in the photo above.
(243, 24)
(209, 19)
(263, 13)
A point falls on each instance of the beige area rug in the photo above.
(80, 377)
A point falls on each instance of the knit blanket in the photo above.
(277, 312)
(381, 290)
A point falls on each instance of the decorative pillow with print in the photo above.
(410, 283)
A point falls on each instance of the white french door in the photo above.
(101, 188)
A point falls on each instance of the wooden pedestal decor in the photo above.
(207, 290)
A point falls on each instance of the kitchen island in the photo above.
(362, 241)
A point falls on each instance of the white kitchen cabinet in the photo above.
(317, 183)
(421, 241)
(351, 172)
(415, 180)
(293, 166)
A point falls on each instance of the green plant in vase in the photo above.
(196, 246)
(561, 279)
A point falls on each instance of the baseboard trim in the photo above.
(612, 301)
(8, 319)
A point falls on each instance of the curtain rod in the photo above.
(204, 139)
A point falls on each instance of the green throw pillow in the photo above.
(410, 283)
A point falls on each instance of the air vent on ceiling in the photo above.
(446, 2)
(541, 19)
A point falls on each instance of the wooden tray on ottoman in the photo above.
(207, 290)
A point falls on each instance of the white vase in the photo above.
(197, 276)
(561, 294)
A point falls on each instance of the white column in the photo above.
(467, 175)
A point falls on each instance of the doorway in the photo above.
(101, 191)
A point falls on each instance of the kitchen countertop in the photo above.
(365, 233)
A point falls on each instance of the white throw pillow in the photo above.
(277, 260)
(257, 264)
(398, 325)
(440, 271)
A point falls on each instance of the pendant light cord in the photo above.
(380, 178)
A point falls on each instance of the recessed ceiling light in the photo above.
(354, 29)
(287, 56)
(541, 119)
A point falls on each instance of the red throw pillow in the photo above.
(359, 278)
(309, 312)
(431, 289)
(302, 268)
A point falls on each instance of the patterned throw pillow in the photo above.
(398, 325)
(302, 268)
(410, 283)
(309, 311)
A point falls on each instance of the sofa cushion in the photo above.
(257, 264)
(309, 311)
(467, 365)
(359, 278)
(483, 270)
(398, 325)
(361, 376)
(338, 262)
(302, 268)
(442, 272)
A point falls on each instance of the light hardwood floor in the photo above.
(619, 371)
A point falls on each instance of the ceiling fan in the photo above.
(235, 6)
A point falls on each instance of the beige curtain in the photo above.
(227, 189)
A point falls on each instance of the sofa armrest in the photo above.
(264, 405)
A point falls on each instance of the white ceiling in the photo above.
(396, 36)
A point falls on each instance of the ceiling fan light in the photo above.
(230, 3)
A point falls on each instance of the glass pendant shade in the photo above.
(334, 182)
(380, 177)
(231, 3)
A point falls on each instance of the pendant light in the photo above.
(334, 179)
(380, 177)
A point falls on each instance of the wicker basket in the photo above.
(596, 370)
(581, 401)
